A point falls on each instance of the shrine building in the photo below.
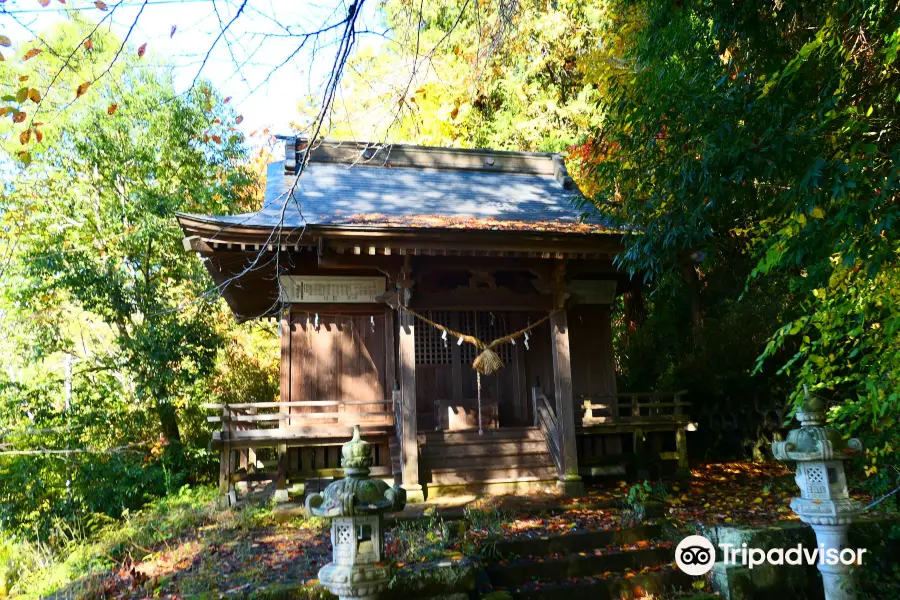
(452, 303)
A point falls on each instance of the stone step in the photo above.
(575, 542)
(495, 447)
(594, 562)
(622, 586)
(466, 463)
(456, 476)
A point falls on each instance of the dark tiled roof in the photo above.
(412, 186)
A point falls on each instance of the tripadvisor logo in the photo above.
(695, 555)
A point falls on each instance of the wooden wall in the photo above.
(590, 343)
(347, 358)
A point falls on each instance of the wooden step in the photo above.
(455, 476)
(489, 448)
(488, 436)
(486, 461)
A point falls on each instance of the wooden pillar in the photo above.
(226, 486)
(570, 482)
(281, 494)
(409, 448)
(681, 450)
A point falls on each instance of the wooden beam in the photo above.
(389, 265)
(194, 243)
(409, 457)
(565, 403)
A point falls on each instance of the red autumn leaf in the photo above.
(80, 91)
(32, 53)
(44, 2)
(19, 116)
(100, 5)
(2, 58)
(171, 33)
(239, 120)
(38, 135)
(23, 77)
(112, 109)
(226, 100)
(88, 44)
(24, 137)
(142, 49)
(217, 139)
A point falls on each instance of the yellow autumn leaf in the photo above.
(82, 89)
(24, 137)
(34, 95)
(818, 213)
(5, 41)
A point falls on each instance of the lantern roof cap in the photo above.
(356, 494)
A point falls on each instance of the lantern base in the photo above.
(359, 582)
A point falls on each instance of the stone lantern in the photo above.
(355, 505)
(824, 501)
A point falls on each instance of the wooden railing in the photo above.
(263, 420)
(603, 409)
(545, 420)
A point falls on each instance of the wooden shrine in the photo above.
(382, 264)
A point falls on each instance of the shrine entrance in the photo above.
(447, 387)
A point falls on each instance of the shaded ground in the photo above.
(235, 554)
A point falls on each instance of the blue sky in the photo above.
(259, 40)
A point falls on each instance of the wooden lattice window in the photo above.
(430, 348)
(486, 326)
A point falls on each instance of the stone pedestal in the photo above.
(415, 493)
(570, 485)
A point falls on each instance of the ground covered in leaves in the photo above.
(233, 553)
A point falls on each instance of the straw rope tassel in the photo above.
(487, 362)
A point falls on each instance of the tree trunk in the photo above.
(168, 420)
(635, 309)
(689, 273)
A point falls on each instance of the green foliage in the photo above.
(34, 570)
(756, 138)
(111, 334)
(479, 75)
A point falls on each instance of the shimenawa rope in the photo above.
(487, 361)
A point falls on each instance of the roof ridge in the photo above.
(369, 154)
